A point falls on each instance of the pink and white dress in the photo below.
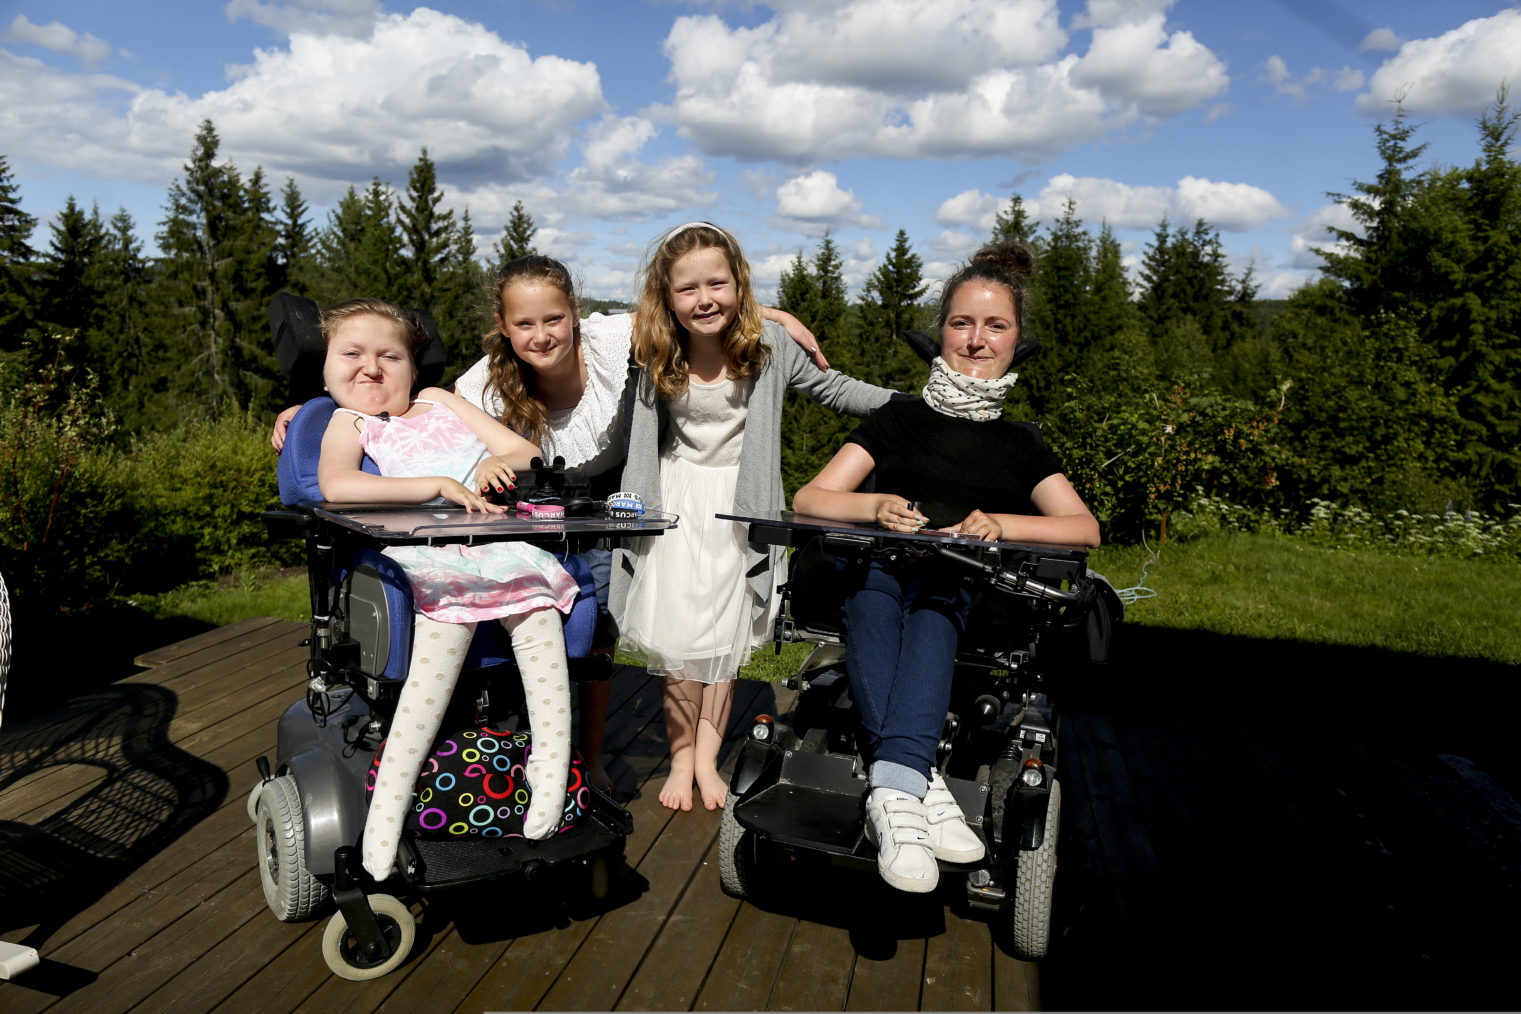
(460, 584)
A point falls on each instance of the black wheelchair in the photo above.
(797, 787)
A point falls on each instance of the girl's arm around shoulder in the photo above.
(1063, 520)
(832, 494)
(831, 389)
(499, 440)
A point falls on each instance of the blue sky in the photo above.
(613, 121)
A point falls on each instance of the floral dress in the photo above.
(456, 583)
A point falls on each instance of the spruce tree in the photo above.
(68, 279)
(827, 316)
(1013, 224)
(15, 262)
(293, 249)
(517, 236)
(796, 290)
(427, 235)
(889, 307)
(202, 265)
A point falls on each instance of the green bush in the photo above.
(202, 487)
(82, 519)
(68, 522)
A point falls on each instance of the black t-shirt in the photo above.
(954, 466)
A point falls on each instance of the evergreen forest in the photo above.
(137, 390)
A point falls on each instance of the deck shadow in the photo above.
(140, 793)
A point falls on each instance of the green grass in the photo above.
(218, 603)
(1279, 588)
(1259, 586)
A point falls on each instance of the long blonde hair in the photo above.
(514, 381)
(660, 347)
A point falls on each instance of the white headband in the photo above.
(690, 225)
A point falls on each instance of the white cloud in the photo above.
(1348, 79)
(58, 37)
(864, 250)
(1120, 204)
(970, 207)
(1380, 39)
(1107, 13)
(954, 244)
(1276, 72)
(925, 78)
(1229, 207)
(611, 182)
(1313, 233)
(327, 108)
(1137, 64)
(309, 17)
(1457, 72)
(815, 196)
(1217, 112)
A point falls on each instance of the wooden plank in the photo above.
(888, 978)
(673, 970)
(1016, 984)
(745, 970)
(204, 641)
(958, 967)
(816, 972)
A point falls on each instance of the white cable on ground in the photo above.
(1139, 590)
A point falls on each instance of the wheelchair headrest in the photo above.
(295, 323)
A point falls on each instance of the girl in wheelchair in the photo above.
(950, 462)
(437, 446)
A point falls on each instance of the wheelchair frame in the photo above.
(310, 806)
(797, 788)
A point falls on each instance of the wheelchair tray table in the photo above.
(425, 525)
(786, 528)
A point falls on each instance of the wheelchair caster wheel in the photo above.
(341, 951)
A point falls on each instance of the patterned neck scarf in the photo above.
(962, 397)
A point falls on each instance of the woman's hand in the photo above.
(495, 473)
(282, 421)
(979, 524)
(457, 492)
(894, 514)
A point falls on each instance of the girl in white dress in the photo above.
(696, 603)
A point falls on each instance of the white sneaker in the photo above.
(949, 835)
(895, 824)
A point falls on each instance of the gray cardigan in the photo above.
(759, 487)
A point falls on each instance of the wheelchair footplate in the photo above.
(430, 864)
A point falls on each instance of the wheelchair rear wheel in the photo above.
(290, 890)
(736, 868)
(1034, 880)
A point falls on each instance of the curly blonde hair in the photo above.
(660, 347)
(514, 381)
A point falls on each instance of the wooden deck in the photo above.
(1214, 855)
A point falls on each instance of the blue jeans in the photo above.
(902, 623)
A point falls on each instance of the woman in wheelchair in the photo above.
(949, 462)
(437, 446)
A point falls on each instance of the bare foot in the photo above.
(676, 793)
(597, 775)
(712, 787)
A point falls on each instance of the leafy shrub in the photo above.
(68, 523)
(1448, 533)
(203, 485)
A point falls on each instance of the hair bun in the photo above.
(1011, 257)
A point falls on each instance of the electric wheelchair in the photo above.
(309, 806)
(797, 788)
